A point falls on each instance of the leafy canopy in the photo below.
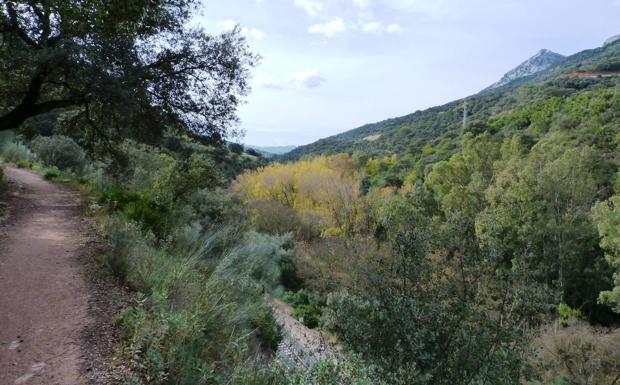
(120, 68)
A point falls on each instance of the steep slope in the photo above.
(410, 133)
(539, 62)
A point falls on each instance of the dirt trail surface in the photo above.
(44, 301)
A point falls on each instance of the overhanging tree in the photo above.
(120, 68)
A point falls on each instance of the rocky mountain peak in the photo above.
(539, 62)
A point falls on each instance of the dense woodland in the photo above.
(439, 253)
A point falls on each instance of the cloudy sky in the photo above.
(332, 65)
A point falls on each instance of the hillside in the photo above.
(271, 150)
(410, 133)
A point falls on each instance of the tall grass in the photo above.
(197, 319)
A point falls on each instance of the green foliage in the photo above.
(214, 206)
(12, 150)
(607, 216)
(60, 152)
(24, 164)
(236, 148)
(191, 316)
(46, 67)
(307, 307)
(180, 178)
(51, 173)
(258, 257)
(566, 314)
(139, 208)
(540, 209)
(268, 331)
(443, 308)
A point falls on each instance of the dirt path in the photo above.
(43, 295)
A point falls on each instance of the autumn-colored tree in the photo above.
(324, 189)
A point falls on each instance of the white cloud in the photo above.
(431, 8)
(395, 28)
(330, 28)
(253, 32)
(361, 3)
(372, 27)
(320, 43)
(306, 78)
(229, 25)
(312, 7)
(309, 78)
(377, 28)
(268, 82)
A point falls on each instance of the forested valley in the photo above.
(484, 251)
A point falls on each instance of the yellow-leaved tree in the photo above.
(313, 197)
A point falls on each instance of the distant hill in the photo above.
(539, 62)
(531, 83)
(272, 150)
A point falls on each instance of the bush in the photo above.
(51, 174)
(181, 178)
(24, 164)
(13, 151)
(269, 332)
(258, 259)
(307, 307)
(236, 148)
(139, 208)
(192, 325)
(579, 354)
(214, 206)
(61, 152)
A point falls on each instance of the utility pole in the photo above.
(464, 115)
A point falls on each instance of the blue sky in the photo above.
(329, 66)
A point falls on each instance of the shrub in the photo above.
(214, 206)
(307, 307)
(578, 354)
(51, 174)
(236, 148)
(60, 151)
(568, 315)
(191, 325)
(258, 259)
(24, 164)
(13, 151)
(139, 208)
(268, 331)
(181, 178)
(253, 152)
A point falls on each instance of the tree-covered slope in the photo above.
(410, 133)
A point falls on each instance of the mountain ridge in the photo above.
(409, 133)
(542, 60)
